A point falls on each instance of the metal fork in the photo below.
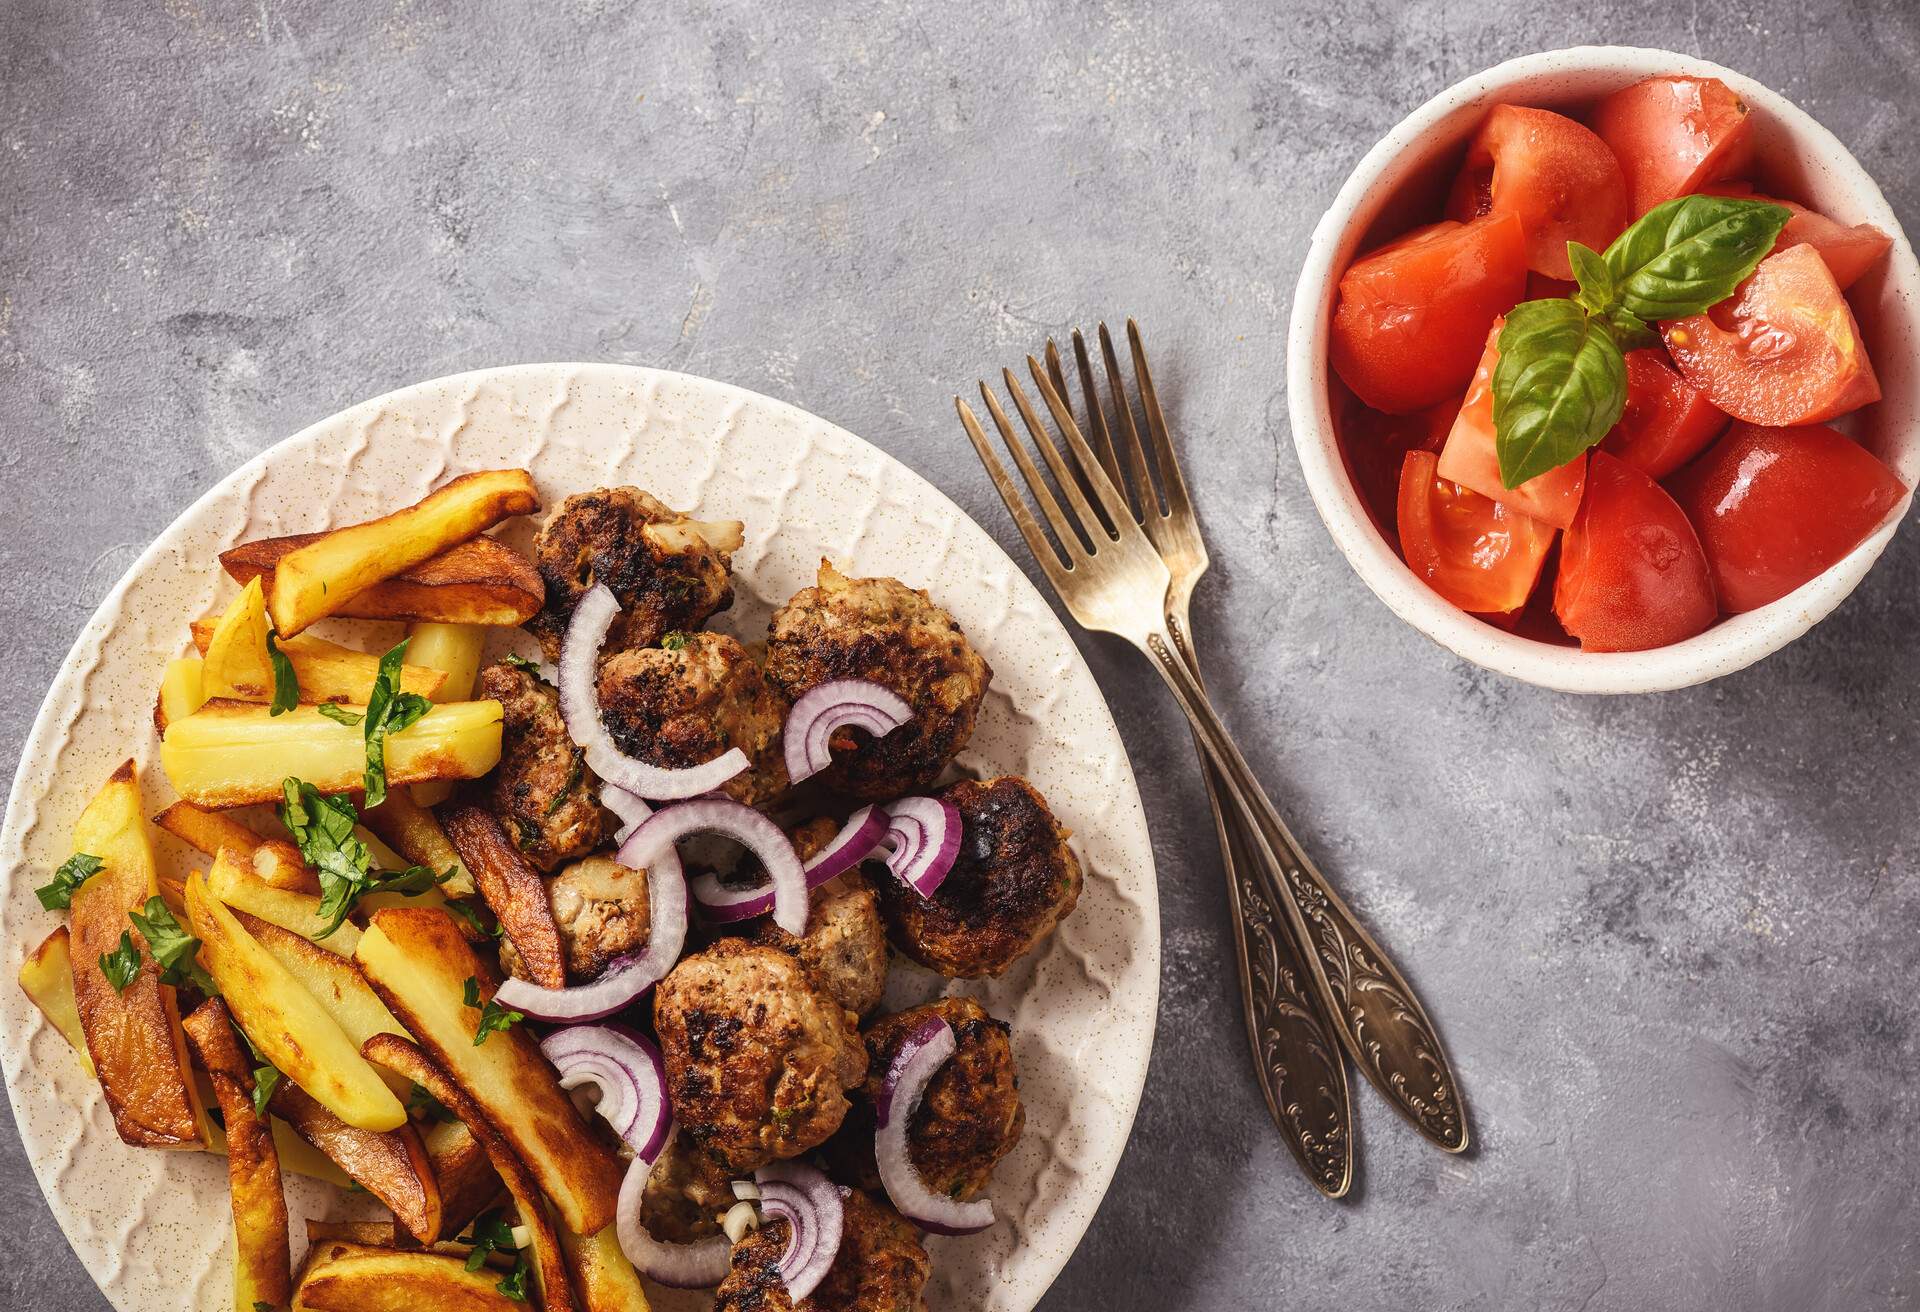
(1106, 571)
(1296, 1056)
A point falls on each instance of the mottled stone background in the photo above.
(1670, 939)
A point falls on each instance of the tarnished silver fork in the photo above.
(1107, 571)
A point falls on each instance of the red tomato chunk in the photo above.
(1673, 136)
(1471, 458)
(1375, 445)
(1478, 554)
(1665, 423)
(1557, 176)
(1632, 572)
(1849, 252)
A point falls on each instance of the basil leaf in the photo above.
(1632, 334)
(1597, 292)
(172, 947)
(121, 964)
(286, 683)
(1685, 255)
(73, 872)
(1560, 385)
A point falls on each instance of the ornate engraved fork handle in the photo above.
(1376, 1012)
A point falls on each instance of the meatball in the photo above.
(758, 1056)
(686, 1194)
(882, 630)
(546, 798)
(668, 571)
(688, 702)
(881, 1267)
(969, 1118)
(1014, 879)
(600, 908)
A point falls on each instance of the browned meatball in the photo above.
(845, 944)
(668, 571)
(546, 798)
(759, 1057)
(686, 1194)
(688, 702)
(969, 1118)
(882, 630)
(1014, 879)
(881, 1267)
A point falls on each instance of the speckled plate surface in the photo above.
(153, 1227)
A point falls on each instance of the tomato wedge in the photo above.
(1411, 313)
(1471, 459)
(1478, 554)
(1561, 179)
(1781, 351)
(1674, 135)
(1848, 251)
(1374, 445)
(1632, 573)
(1665, 422)
(1775, 507)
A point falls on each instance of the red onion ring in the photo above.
(810, 1204)
(925, 832)
(836, 704)
(626, 977)
(722, 815)
(626, 1067)
(699, 1265)
(631, 810)
(593, 615)
(724, 904)
(926, 1049)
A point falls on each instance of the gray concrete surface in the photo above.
(1670, 939)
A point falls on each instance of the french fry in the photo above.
(468, 1183)
(133, 1034)
(233, 753)
(47, 977)
(262, 1264)
(404, 1057)
(244, 890)
(605, 1278)
(416, 834)
(329, 672)
(280, 865)
(180, 692)
(513, 889)
(479, 582)
(321, 577)
(456, 649)
(286, 1023)
(343, 1277)
(236, 658)
(207, 831)
(419, 964)
(392, 1165)
(332, 980)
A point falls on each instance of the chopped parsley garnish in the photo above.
(389, 710)
(514, 1283)
(490, 1234)
(494, 1018)
(674, 641)
(426, 1106)
(286, 683)
(121, 964)
(467, 913)
(73, 872)
(522, 663)
(172, 947)
(322, 828)
(339, 714)
(265, 1076)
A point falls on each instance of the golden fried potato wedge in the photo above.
(345, 1277)
(133, 1034)
(513, 889)
(47, 978)
(419, 964)
(479, 582)
(333, 980)
(455, 648)
(327, 671)
(601, 1272)
(286, 1023)
(468, 1183)
(262, 1264)
(416, 834)
(235, 655)
(323, 576)
(392, 1165)
(234, 753)
(181, 693)
(244, 890)
(207, 831)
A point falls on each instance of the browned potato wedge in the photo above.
(133, 1034)
(323, 576)
(419, 964)
(297, 1156)
(235, 753)
(392, 1165)
(47, 977)
(343, 1277)
(327, 671)
(244, 890)
(207, 831)
(606, 1279)
(262, 1265)
(515, 891)
(368, 1234)
(416, 835)
(479, 582)
(287, 1024)
(332, 979)
(468, 1183)
(404, 1057)
(181, 693)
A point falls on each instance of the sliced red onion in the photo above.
(626, 1067)
(725, 904)
(837, 704)
(927, 1048)
(925, 833)
(701, 1264)
(626, 977)
(631, 810)
(810, 1205)
(580, 708)
(722, 815)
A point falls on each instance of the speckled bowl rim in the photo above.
(1127, 1036)
(1730, 645)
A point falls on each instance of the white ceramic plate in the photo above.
(153, 1227)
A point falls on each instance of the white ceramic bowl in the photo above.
(1402, 180)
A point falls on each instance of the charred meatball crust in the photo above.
(685, 1195)
(759, 1057)
(1014, 879)
(669, 571)
(881, 1267)
(969, 1118)
(683, 706)
(882, 630)
(543, 793)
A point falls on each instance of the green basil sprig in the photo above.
(1562, 378)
